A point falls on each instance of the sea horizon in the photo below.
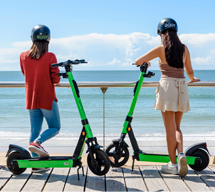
(197, 125)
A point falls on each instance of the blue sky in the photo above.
(109, 34)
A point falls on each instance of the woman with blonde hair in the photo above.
(172, 92)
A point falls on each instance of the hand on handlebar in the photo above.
(149, 64)
(195, 79)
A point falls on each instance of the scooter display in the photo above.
(197, 155)
(18, 158)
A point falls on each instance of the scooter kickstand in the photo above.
(133, 158)
(78, 173)
(82, 171)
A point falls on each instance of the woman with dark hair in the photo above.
(172, 92)
(41, 100)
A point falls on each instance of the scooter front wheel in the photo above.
(100, 164)
(203, 162)
(12, 165)
(117, 159)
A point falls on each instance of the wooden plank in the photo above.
(57, 179)
(17, 182)
(206, 171)
(208, 177)
(5, 174)
(152, 178)
(37, 181)
(209, 180)
(94, 182)
(115, 180)
(173, 182)
(194, 182)
(212, 168)
(73, 184)
(134, 180)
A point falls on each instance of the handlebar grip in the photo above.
(144, 65)
(68, 62)
(80, 61)
(57, 65)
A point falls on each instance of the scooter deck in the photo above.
(162, 158)
(57, 161)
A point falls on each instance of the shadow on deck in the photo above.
(143, 178)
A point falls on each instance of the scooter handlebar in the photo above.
(57, 65)
(69, 62)
(144, 65)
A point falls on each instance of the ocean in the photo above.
(197, 125)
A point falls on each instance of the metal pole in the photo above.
(103, 91)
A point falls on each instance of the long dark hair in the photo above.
(174, 49)
(38, 49)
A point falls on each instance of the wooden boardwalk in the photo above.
(143, 178)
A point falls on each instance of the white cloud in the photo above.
(114, 62)
(24, 45)
(154, 41)
(206, 61)
(198, 39)
(9, 61)
(103, 51)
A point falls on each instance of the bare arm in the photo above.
(188, 67)
(152, 54)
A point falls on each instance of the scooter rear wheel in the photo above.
(13, 167)
(199, 166)
(117, 160)
(100, 165)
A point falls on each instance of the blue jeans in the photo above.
(53, 120)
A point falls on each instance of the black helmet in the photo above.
(165, 24)
(41, 33)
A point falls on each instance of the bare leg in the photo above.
(170, 125)
(179, 136)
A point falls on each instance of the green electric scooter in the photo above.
(18, 158)
(197, 155)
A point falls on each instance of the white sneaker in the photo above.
(170, 168)
(39, 170)
(182, 165)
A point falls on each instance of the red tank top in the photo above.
(40, 78)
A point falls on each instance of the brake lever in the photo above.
(136, 65)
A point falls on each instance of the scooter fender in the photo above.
(93, 147)
(15, 148)
(192, 148)
(116, 141)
